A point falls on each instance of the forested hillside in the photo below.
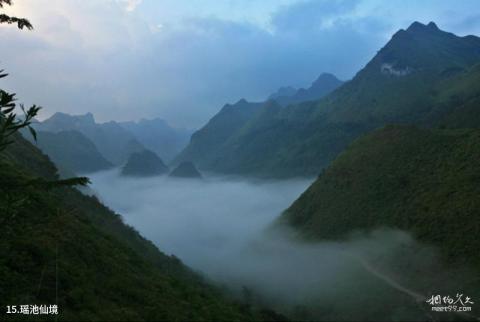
(61, 247)
(210, 146)
(407, 82)
(112, 141)
(71, 150)
(420, 180)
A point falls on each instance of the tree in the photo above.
(21, 22)
(10, 124)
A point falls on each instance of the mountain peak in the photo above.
(424, 47)
(144, 164)
(325, 78)
(86, 118)
(420, 27)
(432, 25)
(241, 102)
(285, 91)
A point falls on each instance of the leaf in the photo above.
(33, 133)
(9, 110)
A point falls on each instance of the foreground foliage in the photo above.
(61, 247)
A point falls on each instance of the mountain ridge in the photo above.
(232, 121)
(324, 84)
(71, 150)
(399, 85)
(112, 141)
(157, 135)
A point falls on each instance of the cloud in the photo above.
(184, 60)
(131, 5)
(306, 16)
(222, 228)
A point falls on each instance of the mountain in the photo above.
(158, 136)
(144, 164)
(421, 180)
(323, 85)
(208, 143)
(71, 150)
(185, 170)
(403, 84)
(287, 91)
(61, 247)
(111, 140)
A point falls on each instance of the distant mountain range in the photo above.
(71, 150)
(401, 84)
(218, 135)
(323, 85)
(420, 175)
(157, 135)
(79, 144)
(112, 141)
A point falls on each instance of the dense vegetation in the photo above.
(220, 133)
(423, 178)
(59, 246)
(111, 140)
(206, 142)
(404, 83)
(423, 181)
(71, 150)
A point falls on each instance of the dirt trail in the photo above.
(419, 298)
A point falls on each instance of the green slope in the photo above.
(422, 181)
(403, 83)
(205, 143)
(214, 147)
(61, 247)
(113, 141)
(72, 150)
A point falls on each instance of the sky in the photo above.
(182, 60)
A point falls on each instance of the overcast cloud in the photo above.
(183, 60)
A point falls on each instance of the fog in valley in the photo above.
(222, 227)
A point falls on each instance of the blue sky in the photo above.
(183, 60)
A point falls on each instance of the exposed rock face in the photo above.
(186, 170)
(389, 69)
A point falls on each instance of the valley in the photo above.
(330, 174)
